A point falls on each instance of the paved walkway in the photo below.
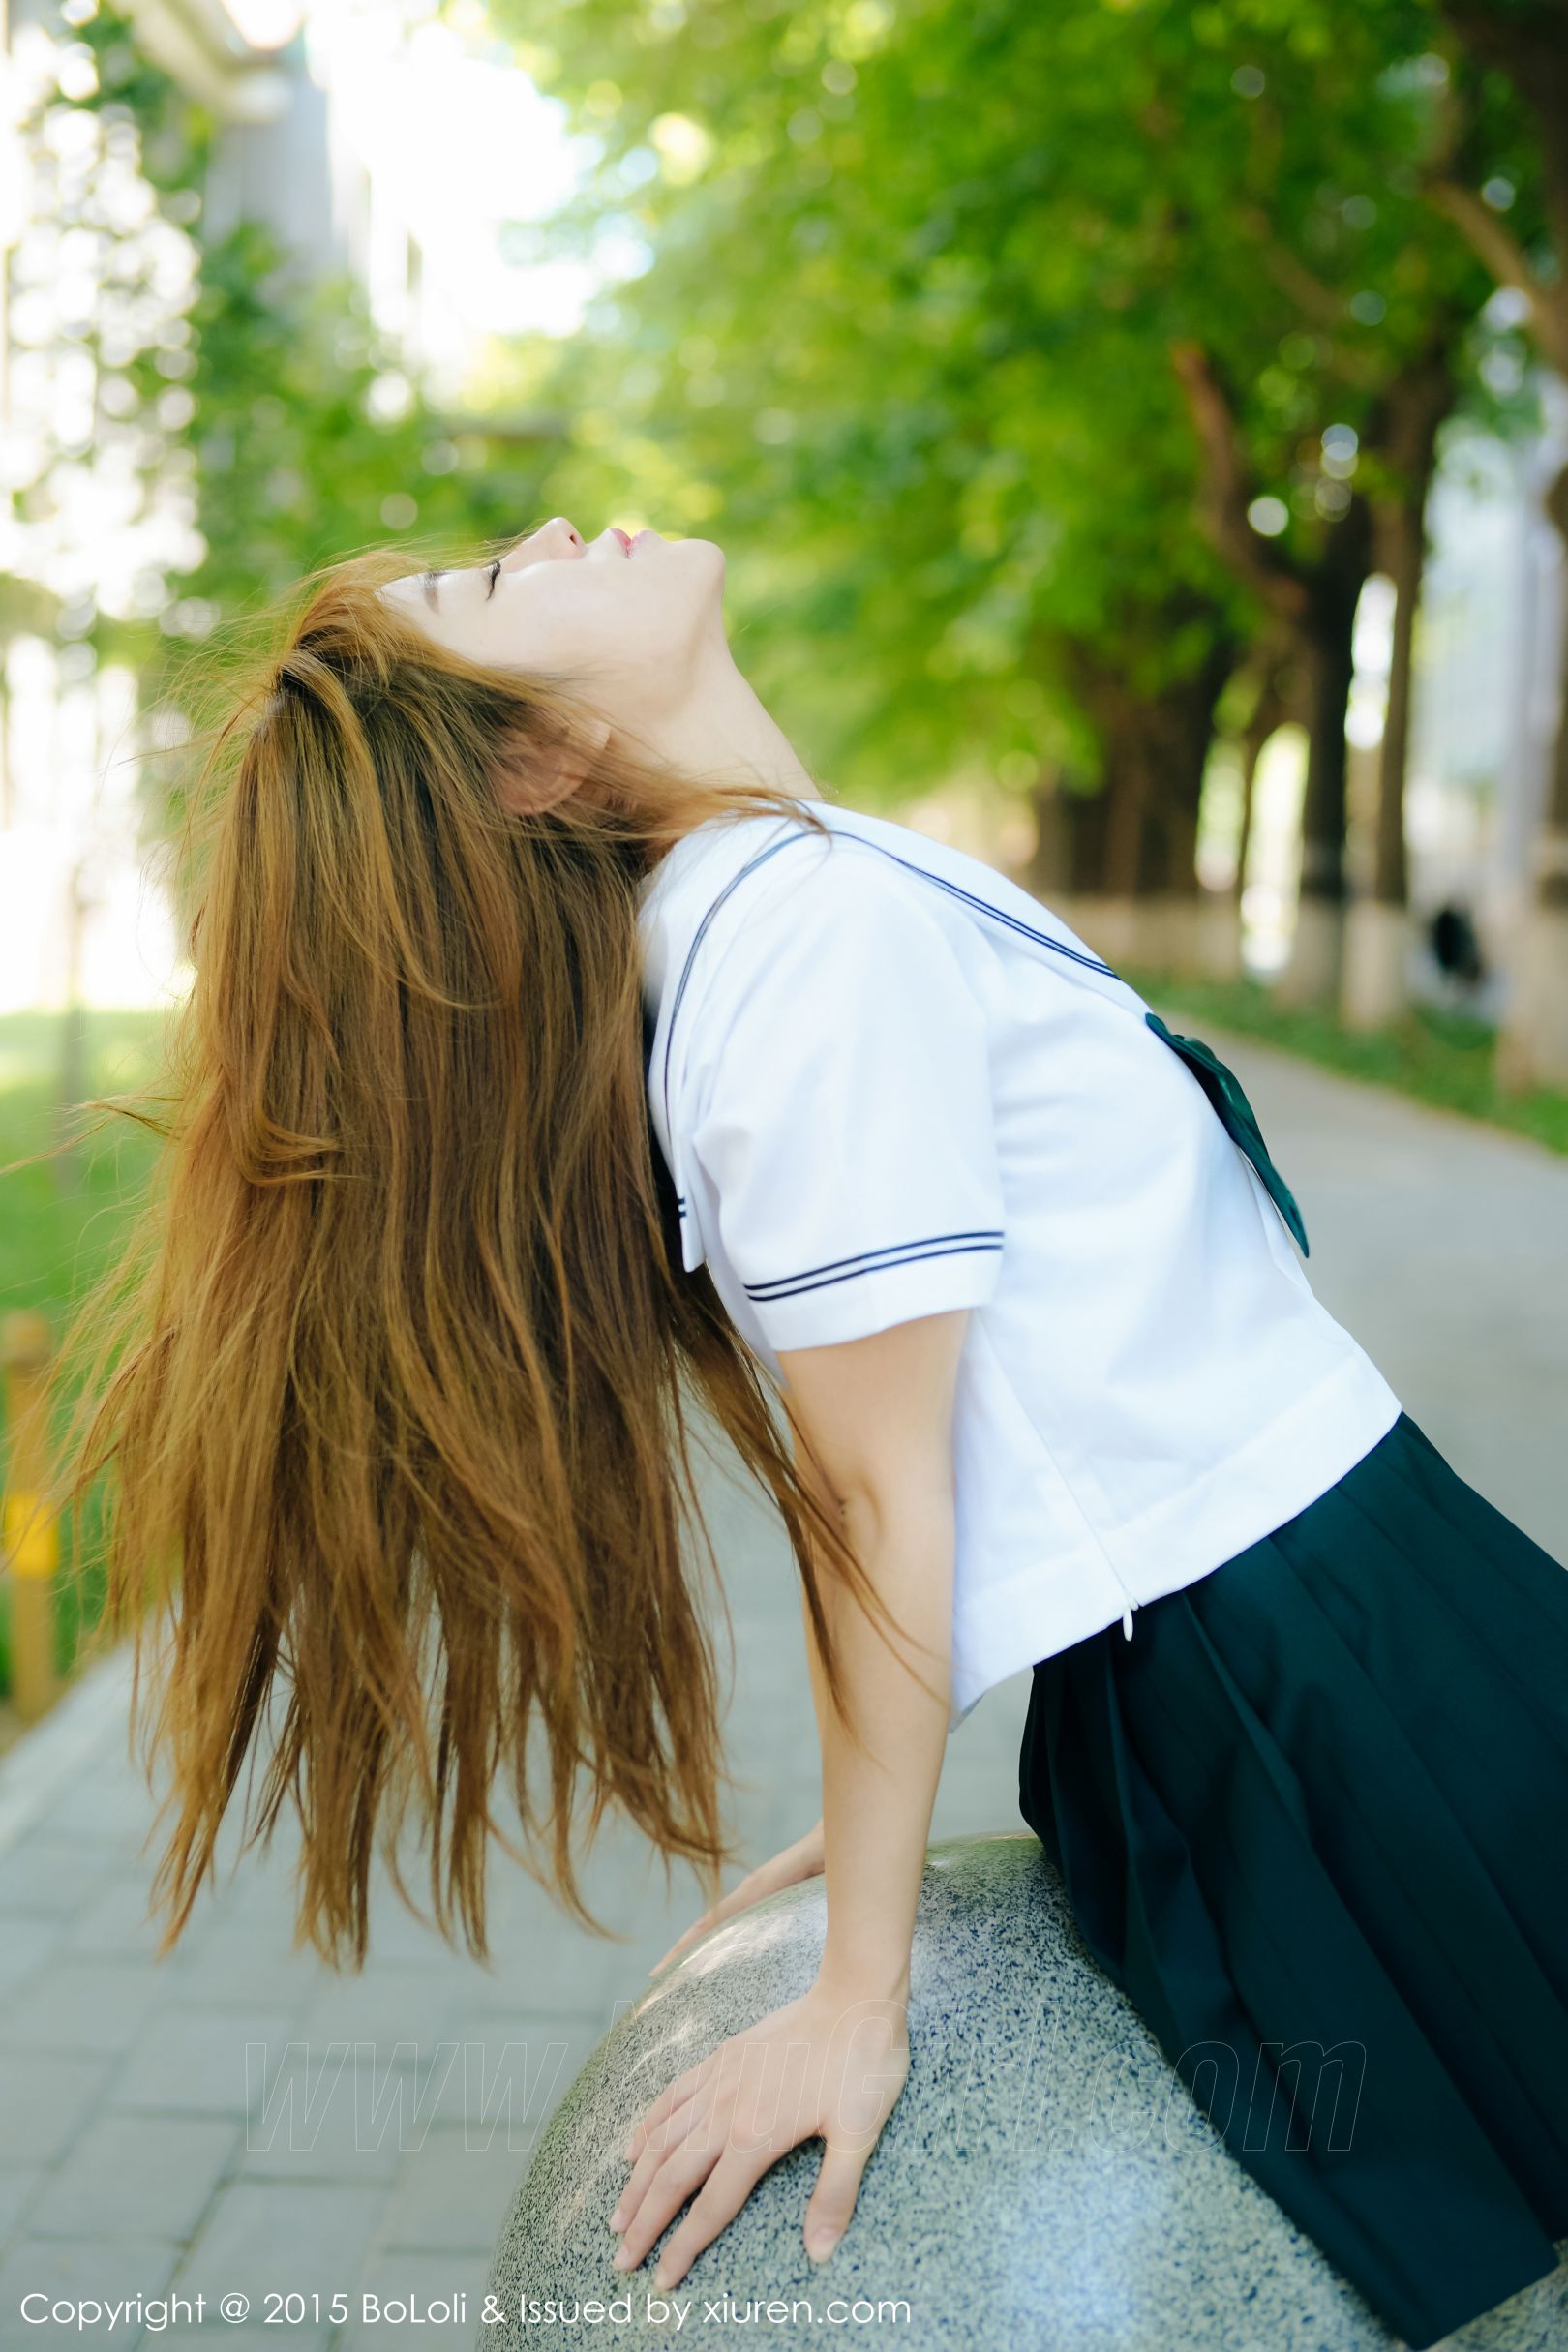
(137, 2155)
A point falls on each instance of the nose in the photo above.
(558, 536)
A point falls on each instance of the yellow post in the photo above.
(29, 1539)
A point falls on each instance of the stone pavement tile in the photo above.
(422, 2281)
(398, 1940)
(282, 2237)
(42, 2101)
(343, 2112)
(512, 2074)
(656, 1930)
(56, 1876)
(82, 1738)
(115, 1919)
(29, 1940)
(194, 2062)
(136, 2175)
(17, 2184)
(563, 1973)
(75, 2269)
(386, 2003)
(99, 1808)
(259, 1891)
(242, 1959)
(977, 1793)
(93, 2006)
(1443, 1245)
(794, 1807)
(971, 1810)
(450, 2197)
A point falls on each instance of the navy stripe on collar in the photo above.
(1013, 923)
(771, 851)
(873, 1262)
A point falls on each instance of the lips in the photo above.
(623, 538)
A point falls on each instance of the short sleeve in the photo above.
(844, 1119)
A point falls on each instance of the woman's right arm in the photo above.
(805, 1856)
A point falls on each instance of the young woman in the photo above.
(560, 1065)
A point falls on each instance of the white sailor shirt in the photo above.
(887, 1083)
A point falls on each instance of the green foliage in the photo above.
(292, 422)
(903, 339)
(898, 295)
(306, 428)
(58, 1237)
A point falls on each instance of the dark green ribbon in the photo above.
(1224, 1091)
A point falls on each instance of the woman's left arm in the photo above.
(877, 1413)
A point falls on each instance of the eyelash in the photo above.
(494, 575)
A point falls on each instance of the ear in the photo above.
(554, 770)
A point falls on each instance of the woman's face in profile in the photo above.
(630, 622)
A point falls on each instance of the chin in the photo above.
(707, 550)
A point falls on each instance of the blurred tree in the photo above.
(900, 295)
(1314, 597)
(1323, 306)
(881, 336)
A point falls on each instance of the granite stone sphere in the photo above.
(1046, 2179)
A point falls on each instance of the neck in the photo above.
(722, 729)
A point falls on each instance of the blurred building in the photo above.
(1493, 628)
(102, 512)
(370, 134)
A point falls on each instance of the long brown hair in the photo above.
(399, 1374)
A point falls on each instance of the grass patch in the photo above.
(1439, 1057)
(60, 1226)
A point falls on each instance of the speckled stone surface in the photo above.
(1046, 2179)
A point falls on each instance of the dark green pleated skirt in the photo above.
(1321, 1798)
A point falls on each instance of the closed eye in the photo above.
(494, 574)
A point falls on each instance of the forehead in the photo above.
(414, 598)
(414, 588)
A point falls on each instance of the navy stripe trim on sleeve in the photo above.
(873, 1261)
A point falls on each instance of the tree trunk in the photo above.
(1069, 847)
(1376, 991)
(1312, 976)
(1551, 859)
(1136, 885)
(1377, 943)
